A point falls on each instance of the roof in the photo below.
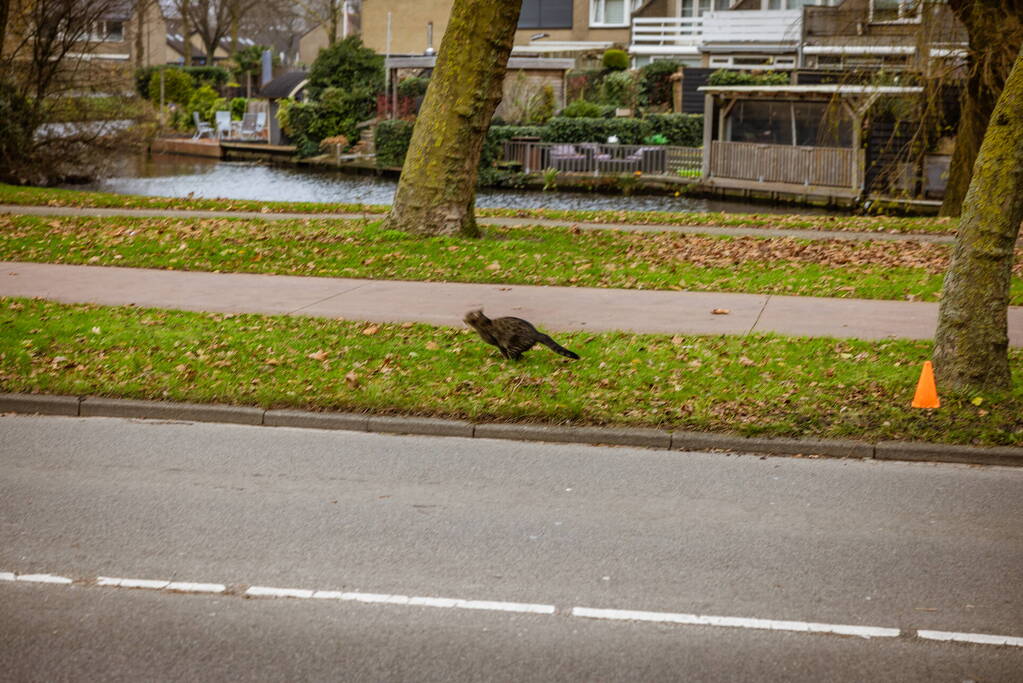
(820, 89)
(285, 85)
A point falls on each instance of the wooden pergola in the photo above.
(816, 170)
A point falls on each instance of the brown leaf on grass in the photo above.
(318, 355)
(406, 326)
(352, 379)
(432, 346)
(272, 361)
(678, 340)
(721, 311)
(495, 266)
(743, 360)
(371, 330)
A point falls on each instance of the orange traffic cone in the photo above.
(926, 391)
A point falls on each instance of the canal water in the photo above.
(173, 175)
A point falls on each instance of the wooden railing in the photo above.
(827, 166)
(604, 159)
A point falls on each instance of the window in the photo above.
(895, 11)
(814, 124)
(612, 12)
(112, 31)
(546, 14)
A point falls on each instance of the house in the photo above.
(549, 28)
(316, 38)
(795, 34)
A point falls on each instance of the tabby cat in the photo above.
(512, 336)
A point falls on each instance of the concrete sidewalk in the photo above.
(443, 303)
(714, 230)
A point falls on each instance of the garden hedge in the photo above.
(391, 139)
(628, 131)
(683, 130)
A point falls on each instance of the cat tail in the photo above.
(556, 347)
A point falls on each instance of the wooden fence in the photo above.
(826, 166)
(605, 159)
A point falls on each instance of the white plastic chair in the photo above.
(201, 127)
(223, 124)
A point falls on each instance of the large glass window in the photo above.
(809, 124)
(609, 13)
(546, 14)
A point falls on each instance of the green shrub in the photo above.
(413, 87)
(391, 140)
(730, 77)
(683, 130)
(249, 60)
(348, 65)
(177, 86)
(616, 60)
(586, 110)
(238, 106)
(207, 75)
(621, 89)
(655, 82)
(203, 100)
(628, 131)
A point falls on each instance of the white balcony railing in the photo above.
(653, 35)
(756, 26)
(666, 31)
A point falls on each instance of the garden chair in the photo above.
(223, 124)
(567, 158)
(201, 127)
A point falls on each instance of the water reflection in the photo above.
(174, 175)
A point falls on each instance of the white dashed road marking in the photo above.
(520, 607)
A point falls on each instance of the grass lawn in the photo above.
(757, 385)
(536, 255)
(34, 196)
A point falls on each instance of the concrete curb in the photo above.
(43, 404)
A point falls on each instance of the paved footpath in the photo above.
(444, 303)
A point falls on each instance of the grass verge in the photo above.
(756, 385)
(35, 196)
(535, 256)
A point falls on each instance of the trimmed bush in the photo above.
(616, 60)
(628, 131)
(238, 105)
(683, 130)
(413, 87)
(177, 86)
(655, 82)
(391, 140)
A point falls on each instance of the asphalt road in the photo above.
(891, 545)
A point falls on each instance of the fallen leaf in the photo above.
(405, 326)
(432, 346)
(372, 329)
(318, 355)
(494, 266)
(743, 360)
(96, 330)
(721, 311)
(352, 379)
(677, 340)
(977, 400)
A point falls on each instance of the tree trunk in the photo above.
(437, 191)
(995, 31)
(186, 30)
(333, 21)
(972, 340)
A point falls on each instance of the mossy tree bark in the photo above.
(437, 191)
(995, 32)
(972, 340)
